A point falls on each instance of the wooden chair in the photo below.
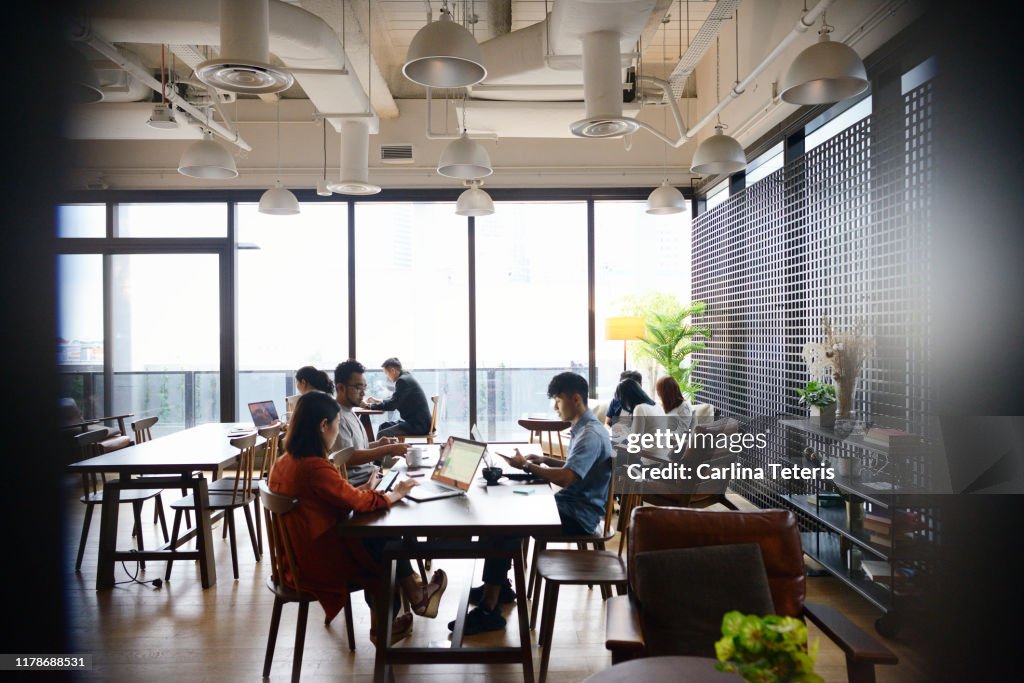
(143, 432)
(778, 537)
(240, 495)
(539, 427)
(271, 448)
(89, 444)
(703, 493)
(552, 569)
(282, 563)
(436, 400)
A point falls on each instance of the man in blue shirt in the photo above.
(584, 477)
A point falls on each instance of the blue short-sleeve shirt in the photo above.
(590, 452)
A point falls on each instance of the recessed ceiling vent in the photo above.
(242, 66)
(396, 154)
(602, 89)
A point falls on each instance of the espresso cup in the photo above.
(492, 474)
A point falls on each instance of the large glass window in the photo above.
(166, 343)
(764, 165)
(412, 301)
(531, 303)
(80, 334)
(819, 131)
(717, 194)
(642, 265)
(82, 220)
(172, 220)
(292, 298)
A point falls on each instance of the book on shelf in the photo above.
(882, 436)
(878, 539)
(876, 528)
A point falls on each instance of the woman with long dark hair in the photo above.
(638, 416)
(308, 378)
(675, 405)
(330, 563)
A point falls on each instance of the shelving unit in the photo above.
(834, 541)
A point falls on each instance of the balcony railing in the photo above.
(186, 398)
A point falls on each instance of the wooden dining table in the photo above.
(449, 524)
(364, 415)
(184, 457)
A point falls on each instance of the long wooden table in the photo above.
(180, 456)
(491, 511)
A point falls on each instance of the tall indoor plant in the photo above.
(671, 337)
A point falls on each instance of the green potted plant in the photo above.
(821, 399)
(671, 337)
(770, 649)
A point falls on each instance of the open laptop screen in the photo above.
(264, 413)
(458, 462)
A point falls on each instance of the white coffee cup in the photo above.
(414, 456)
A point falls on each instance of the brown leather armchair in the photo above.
(113, 438)
(777, 535)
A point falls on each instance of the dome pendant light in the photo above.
(443, 54)
(720, 153)
(465, 159)
(207, 160)
(279, 201)
(665, 200)
(824, 73)
(474, 201)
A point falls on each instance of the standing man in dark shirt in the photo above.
(408, 399)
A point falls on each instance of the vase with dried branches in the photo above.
(842, 355)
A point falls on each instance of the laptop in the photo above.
(264, 413)
(454, 472)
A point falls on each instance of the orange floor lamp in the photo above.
(624, 328)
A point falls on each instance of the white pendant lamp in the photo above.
(665, 200)
(825, 72)
(207, 160)
(443, 54)
(465, 158)
(474, 202)
(278, 200)
(718, 154)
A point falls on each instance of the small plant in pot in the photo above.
(821, 399)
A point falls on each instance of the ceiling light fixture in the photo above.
(207, 160)
(474, 201)
(278, 200)
(443, 54)
(825, 72)
(243, 65)
(719, 153)
(665, 200)
(464, 158)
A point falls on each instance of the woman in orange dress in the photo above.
(331, 564)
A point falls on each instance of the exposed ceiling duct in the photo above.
(602, 89)
(243, 65)
(354, 175)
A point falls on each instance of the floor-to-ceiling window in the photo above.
(80, 334)
(642, 265)
(292, 297)
(531, 304)
(412, 301)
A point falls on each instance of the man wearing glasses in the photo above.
(352, 448)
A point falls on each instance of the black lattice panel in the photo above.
(843, 232)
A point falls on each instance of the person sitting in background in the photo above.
(675, 405)
(332, 564)
(615, 407)
(639, 414)
(408, 399)
(352, 448)
(308, 378)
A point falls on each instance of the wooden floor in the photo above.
(181, 632)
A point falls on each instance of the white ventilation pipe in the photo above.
(354, 175)
(602, 89)
(130, 63)
(242, 65)
(302, 40)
